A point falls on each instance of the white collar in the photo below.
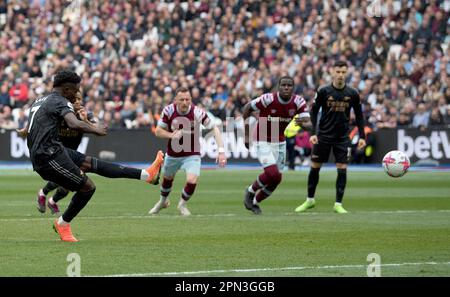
(180, 113)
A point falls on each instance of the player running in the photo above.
(276, 110)
(180, 124)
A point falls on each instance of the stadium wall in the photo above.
(141, 146)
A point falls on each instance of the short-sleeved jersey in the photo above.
(46, 115)
(276, 114)
(335, 118)
(171, 120)
(71, 138)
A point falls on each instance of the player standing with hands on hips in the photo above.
(335, 100)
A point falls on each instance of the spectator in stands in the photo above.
(422, 118)
(210, 46)
(4, 96)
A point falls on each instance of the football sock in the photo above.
(78, 202)
(257, 184)
(313, 180)
(274, 177)
(270, 174)
(60, 194)
(188, 191)
(166, 187)
(341, 181)
(112, 170)
(61, 221)
(50, 186)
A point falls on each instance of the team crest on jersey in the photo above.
(347, 98)
(70, 106)
(273, 110)
(291, 112)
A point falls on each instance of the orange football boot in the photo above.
(154, 170)
(64, 231)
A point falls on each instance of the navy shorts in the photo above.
(341, 151)
(64, 169)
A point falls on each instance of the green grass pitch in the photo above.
(406, 221)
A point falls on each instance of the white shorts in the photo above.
(271, 153)
(191, 164)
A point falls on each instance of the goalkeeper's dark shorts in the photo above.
(341, 151)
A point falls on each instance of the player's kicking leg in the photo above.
(111, 170)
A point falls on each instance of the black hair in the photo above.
(340, 63)
(286, 77)
(65, 76)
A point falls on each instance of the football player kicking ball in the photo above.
(276, 110)
(67, 167)
(180, 124)
(71, 139)
(335, 100)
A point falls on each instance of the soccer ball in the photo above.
(396, 163)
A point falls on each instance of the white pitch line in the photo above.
(269, 269)
(176, 216)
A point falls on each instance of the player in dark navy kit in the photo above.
(276, 110)
(70, 138)
(67, 167)
(335, 100)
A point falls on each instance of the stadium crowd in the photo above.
(133, 54)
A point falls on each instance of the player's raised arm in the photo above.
(76, 124)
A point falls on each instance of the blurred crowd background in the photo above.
(133, 54)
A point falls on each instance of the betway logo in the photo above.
(19, 146)
(234, 146)
(435, 146)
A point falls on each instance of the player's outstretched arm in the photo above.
(76, 124)
(221, 158)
